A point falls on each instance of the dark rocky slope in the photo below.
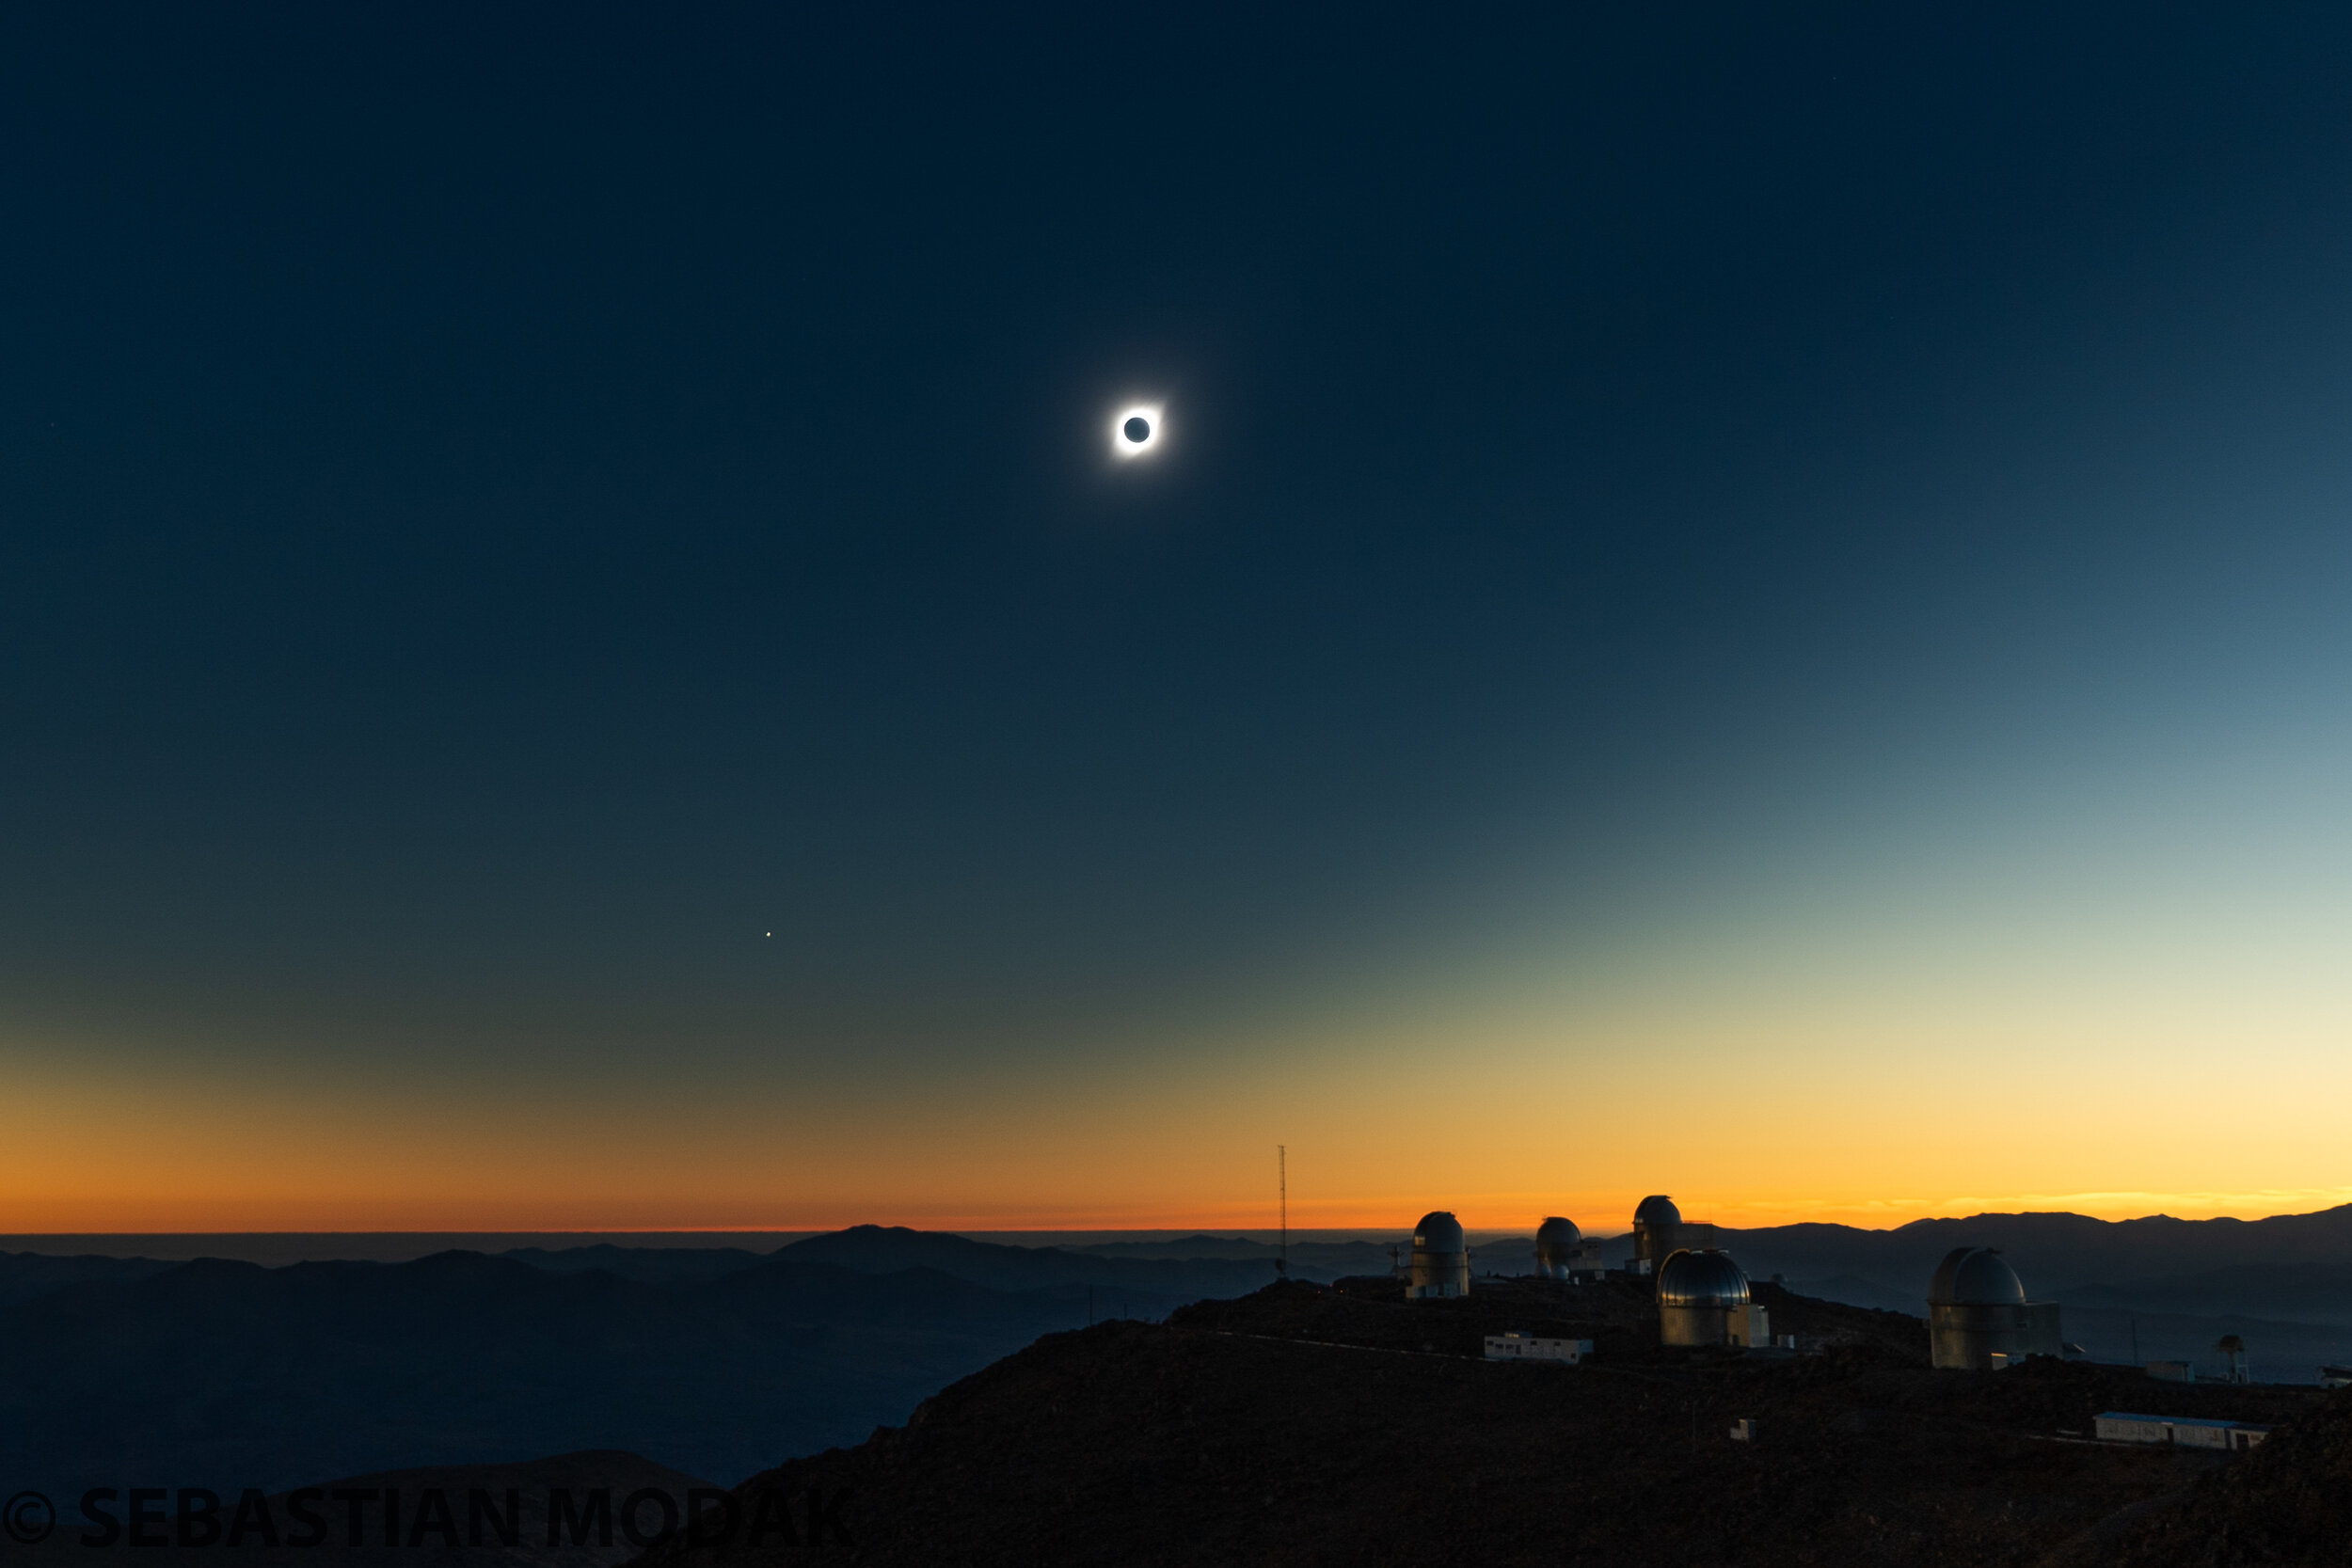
(2290, 1501)
(1340, 1425)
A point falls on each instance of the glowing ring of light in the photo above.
(1123, 447)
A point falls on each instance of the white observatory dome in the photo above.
(1659, 1209)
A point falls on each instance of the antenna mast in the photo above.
(1283, 1184)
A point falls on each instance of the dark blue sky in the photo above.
(499, 507)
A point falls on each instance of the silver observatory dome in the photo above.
(1976, 1276)
(1709, 1279)
(1556, 1240)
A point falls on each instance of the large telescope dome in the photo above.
(1707, 1279)
(1976, 1276)
(1555, 1247)
(1438, 1232)
(1978, 1318)
(1657, 1232)
(1557, 1232)
(1440, 1259)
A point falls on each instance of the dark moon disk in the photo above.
(1138, 430)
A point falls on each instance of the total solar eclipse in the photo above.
(1136, 431)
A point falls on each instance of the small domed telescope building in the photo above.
(1978, 1319)
(1657, 1232)
(1702, 1299)
(1556, 1241)
(1440, 1259)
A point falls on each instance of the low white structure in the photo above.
(2189, 1431)
(1516, 1346)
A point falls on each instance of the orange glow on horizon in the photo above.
(1597, 1214)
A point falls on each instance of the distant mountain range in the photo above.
(716, 1360)
(2055, 1253)
(1171, 1280)
(230, 1375)
(26, 1275)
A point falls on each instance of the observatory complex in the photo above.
(1440, 1259)
(1978, 1318)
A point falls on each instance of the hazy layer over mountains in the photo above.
(722, 1361)
(717, 1361)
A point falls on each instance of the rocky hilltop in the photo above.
(1340, 1424)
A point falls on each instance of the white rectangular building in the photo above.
(1528, 1347)
(2188, 1431)
(1752, 1326)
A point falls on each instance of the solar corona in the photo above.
(1136, 431)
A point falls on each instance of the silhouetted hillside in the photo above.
(26, 1275)
(2290, 1501)
(1344, 1425)
(653, 1265)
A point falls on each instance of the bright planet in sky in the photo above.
(1135, 430)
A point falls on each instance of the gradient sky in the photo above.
(1743, 602)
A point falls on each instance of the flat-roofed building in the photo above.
(2188, 1431)
(1516, 1346)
